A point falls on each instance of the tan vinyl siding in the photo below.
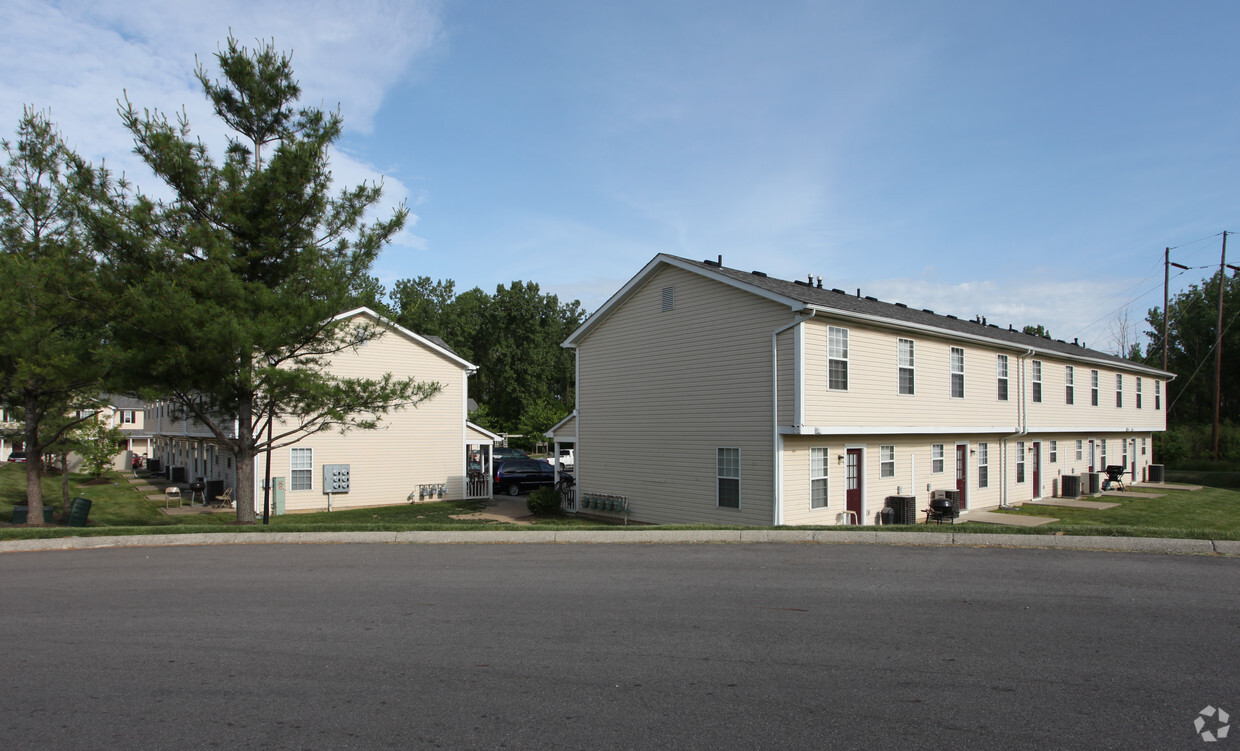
(873, 397)
(660, 391)
(786, 346)
(1054, 412)
(415, 446)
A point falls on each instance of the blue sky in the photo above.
(1023, 161)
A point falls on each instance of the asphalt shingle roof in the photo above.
(832, 299)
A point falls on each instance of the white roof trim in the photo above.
(649, 270)
(550, 432)
(467, 365)
(482, 430)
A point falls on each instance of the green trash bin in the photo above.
(78, 511)
(21, 514)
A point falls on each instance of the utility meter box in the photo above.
(335, 478)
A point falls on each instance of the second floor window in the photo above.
(837, 359)
(1037, 380)
(1001, 373)
(1157, 394)
(906, 366)
(1093, 387)
(957, 373)
(1138, 392)
(1119, 389)
(1069, 396)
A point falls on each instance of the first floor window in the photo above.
(1080, 446)
(1020, 461)
(1142, 447)
(886, 461)
(1102, 450)
(728, 477)
(837, 358)
(301, 469)
(1054, 451)
(936, 457)
(818, 477)
(983, 465)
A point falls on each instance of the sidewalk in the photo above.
(645, 536)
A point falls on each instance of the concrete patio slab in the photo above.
(1015, 520)
(1131, 494)
(1165, 486)
(1071, 503)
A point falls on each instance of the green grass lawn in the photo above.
(1210, 513)
(120, 509)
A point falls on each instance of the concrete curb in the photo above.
(640, 536)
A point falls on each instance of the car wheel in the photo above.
(514, 489)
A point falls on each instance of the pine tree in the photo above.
(230, 287)
(51, 341)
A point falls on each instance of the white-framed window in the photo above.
(1157, 394)
(837, 358)
(957, 372)
(1001, 375)
(1037, 380)
(1102, 450)
(668, 298)
(1138, 392)
(1093, 387)
(1069, 395)
(818, 480)
(129, 416)
(1080, 449)
(1054, 457)
(1119, 389)
(1020, 461)
(906, 366)
(728, 477)
(886, 461)
(1143, 447)
(301, 469)
(1124, 453)
(936, 457)
(983, 465)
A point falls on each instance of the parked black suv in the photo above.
(516, 476)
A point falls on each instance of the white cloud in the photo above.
(77, 58)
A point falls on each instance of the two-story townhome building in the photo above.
(417, 453)
(713, 395)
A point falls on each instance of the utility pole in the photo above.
(1218, 346)
(1167, 264)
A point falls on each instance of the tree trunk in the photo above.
(64, 482)
(245, 461)
(34, 463)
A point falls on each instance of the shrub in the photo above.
(544, 501)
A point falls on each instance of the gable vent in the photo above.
(669, 298)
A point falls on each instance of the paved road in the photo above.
(584, 647)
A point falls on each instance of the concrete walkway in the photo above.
(1071, 503)
(1015, 520)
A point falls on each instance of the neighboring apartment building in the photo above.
(416, 454)
(708, 394)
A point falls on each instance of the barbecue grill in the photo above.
(942, 508)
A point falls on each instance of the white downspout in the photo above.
(777, 464)
(1022, 425)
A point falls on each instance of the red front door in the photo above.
(852, 481)
(1037, 469)
(962, 473)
